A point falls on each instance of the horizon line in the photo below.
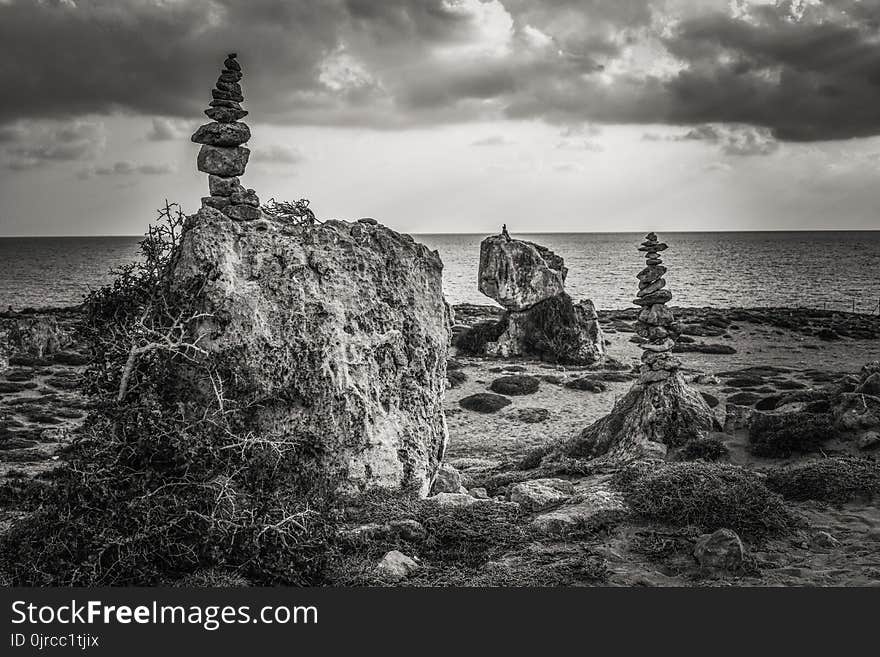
(545, 232)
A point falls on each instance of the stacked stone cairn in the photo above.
(656, 324)
(222, 156)
(660, 411)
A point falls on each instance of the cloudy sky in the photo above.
(450, 115)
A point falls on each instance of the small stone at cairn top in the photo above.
(656, 323)
(222, 156)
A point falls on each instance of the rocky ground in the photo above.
(769, 361)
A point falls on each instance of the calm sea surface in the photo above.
(705, 269)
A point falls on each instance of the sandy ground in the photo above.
(479, 440)
(502, 434)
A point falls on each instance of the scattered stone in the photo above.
(518, 384)
(586, 384)
(824, 540)
(455, 377)
(533, 415)
(586, 507)
(447, 480)
(869, 440)
(484, 402)
(540, 494)
(395, 566)
(721, 552)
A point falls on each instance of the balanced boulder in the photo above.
(541, 319)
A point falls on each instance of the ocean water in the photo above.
(837, 270)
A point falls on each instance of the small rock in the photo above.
(480, 493)
(447, 480)
(539, 494)
(720, 551)
(586, 506)
(824, 540)
(395, 566)
(533, 415)
(587, 384)
(869, 440)
(517, 384)
(484, 402)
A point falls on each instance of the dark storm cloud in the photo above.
(802, 71)
(29, 145)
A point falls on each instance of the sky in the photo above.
(440, 116)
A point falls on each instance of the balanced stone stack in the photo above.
(660, 411)
(222, 156)
(656, 323)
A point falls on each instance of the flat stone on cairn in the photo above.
(222, 156)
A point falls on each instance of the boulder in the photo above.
(555, 330)
(333, 334)
(395, 566)
(539, 494)
(721, 551)
(519, 274)
(869, 440)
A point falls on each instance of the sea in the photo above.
(827, 269)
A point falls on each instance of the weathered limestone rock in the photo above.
(340, 332)
(519, 274)
(539, 494)
(593, 500)
(395, 566)
(721, 551)
(542, 320)
(555, 330)
(447, 480)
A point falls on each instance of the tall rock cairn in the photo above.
(222, 155)
(656, 323)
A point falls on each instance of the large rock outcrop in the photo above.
(542, 321)
(519, 274)
(331, 332)
(338, 330)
